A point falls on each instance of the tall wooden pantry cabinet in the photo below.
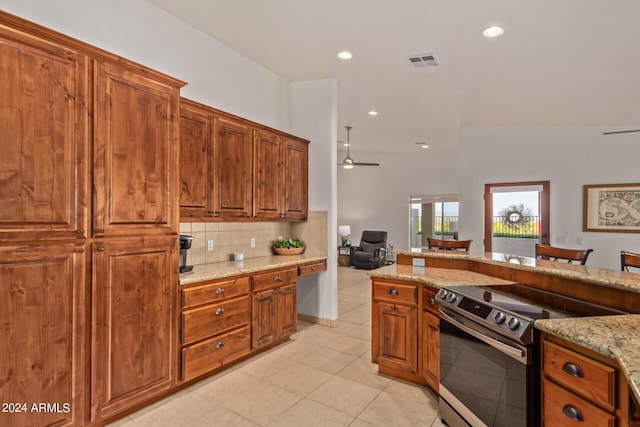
(88, 229)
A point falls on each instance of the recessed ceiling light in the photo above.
(345, 55)
(373, 113)
(422, 144)
(493, 31)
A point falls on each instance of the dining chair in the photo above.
(462, 245)
(629, 259)
(554, 254)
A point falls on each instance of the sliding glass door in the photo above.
(434, 216)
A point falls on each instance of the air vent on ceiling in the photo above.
(423, 60)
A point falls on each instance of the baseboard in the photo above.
(319, 320)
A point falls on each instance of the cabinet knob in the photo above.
(220, 291)
(277, 278)
(432, 301)
(572, 412)
(100, 249)
(99, 230)
(220, 344)
(80, 250)
(393, 291)
(219, 311)
(393, 308)
(314, 267)
(572, 369)
(81, 231)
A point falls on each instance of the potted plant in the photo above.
(288, 246)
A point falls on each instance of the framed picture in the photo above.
(611, 208)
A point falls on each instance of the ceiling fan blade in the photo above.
(365, 164)
(615, 132)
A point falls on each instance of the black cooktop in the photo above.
(532, 303)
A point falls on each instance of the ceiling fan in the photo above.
(615, 132)
(348, 162)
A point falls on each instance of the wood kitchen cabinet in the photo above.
(295, 179)
(268, 170)
(136, 152)
(196, 162)
(43, 299)
(216, 325)
(580, 386)
(134, 322)
(394, 333)
(430, 339)
(43, 117)
(273, 307)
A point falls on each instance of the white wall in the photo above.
(139, 31)
(569, 158)
(314, 106)
(377, 198)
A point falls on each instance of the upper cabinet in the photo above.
(196, 161)
(232, 160)
(43, 161)
(136, 148)
(240, 171)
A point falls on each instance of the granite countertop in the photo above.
(614, 336)
(436, 277)
(218, 270)
(598, 276)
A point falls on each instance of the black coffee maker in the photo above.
(185, 244)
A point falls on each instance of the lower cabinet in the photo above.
(431, 349)
(273, 307)
(134, 323)
(581, 387)
(216, 326)
(394, 336)
(42, 335)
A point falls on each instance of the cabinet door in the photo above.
(196, 162)
(134, 342)
(136, 153)
(267, 194)
(295, 173)
(286, 310)
(431, 349)
(232, 162)
(263, 318)
(395, 335)
(42, 334)
(43, 122)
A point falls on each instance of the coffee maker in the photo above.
(185, 244)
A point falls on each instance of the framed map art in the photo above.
(611, 208)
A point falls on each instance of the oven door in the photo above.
(485, 379)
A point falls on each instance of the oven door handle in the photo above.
(514, 352)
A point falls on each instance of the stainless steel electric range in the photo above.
(489, 356)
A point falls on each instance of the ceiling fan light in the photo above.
(347, 163)
(494, 31)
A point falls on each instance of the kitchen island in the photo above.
(616, 337)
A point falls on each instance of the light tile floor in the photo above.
(323, 377)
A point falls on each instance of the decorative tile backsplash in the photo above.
(230, 237)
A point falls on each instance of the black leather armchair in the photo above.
(371, 252)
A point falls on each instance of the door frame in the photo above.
(544, 210)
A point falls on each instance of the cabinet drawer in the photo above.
(215, 291)
(208, 355)
(562, 408)
(274, 278)
(585, 376)
(212, 319)
(395, 292)
(316, 267)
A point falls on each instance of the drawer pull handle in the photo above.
(220, 291)
(277, 278)
(100, 230)
(572, 412)
(219, 311)
(432, 301)
(393, 291)
(572, 369)
(220, 344)
(100, 249)
(314, 267)
(393, 308)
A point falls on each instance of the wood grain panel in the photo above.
(42, 327)
(134, 345)
(263, 318)
(136, 153)
(295, 179)
(43, 117)
(286, 311)
(268, 170)
(396, 343)
(556, 400)
(202, 322)
(215, 291)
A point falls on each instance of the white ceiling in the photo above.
(559, 63)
